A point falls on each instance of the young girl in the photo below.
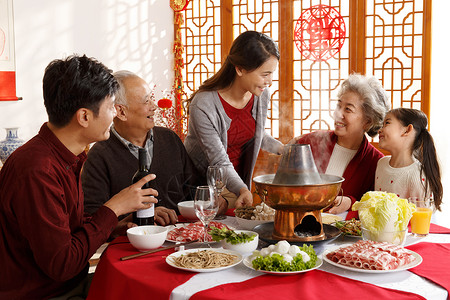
(412, 170)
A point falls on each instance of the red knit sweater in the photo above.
(241, 131)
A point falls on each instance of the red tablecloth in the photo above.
(147, 277)
(311, 285)
(436, 263)
(434, 229)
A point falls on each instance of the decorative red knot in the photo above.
(319, 33)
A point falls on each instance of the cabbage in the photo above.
(382, 212)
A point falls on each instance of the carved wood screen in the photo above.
(389, 39)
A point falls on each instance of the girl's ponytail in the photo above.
(426, 154)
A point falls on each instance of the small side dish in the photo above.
(259, 212)
(230, 236)
(242, 241)
(330, 218)
(350, 227)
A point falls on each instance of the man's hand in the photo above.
(245, 198)
(165, 216)
(122, 226)
(133, 198)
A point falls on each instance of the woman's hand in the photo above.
(294, 140)
(281, 149)
(245, 198)
(341, 204)
(223, 206)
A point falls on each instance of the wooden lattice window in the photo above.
(389, 39)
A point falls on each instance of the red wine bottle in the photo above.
(143, 216)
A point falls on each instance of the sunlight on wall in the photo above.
(136, 35)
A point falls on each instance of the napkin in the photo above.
(315, 284)
(436, 263)
(137, 276)
(434, 228)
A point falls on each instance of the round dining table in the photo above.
(150, 277)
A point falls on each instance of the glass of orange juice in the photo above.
(420, 221)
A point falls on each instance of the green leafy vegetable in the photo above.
(276, 262)
(230, 236)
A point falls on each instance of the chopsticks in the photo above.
(156, 250)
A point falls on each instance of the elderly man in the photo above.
(45, 242)
(111, 164)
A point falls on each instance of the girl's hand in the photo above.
(341, 204)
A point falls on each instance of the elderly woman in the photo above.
(346, 152)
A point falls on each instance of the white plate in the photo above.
(417, 261)
(179, 253)
(352, 236)
(330, 218)
(180, 225)
(248, 264)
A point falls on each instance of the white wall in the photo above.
(123, 34)
(440, 96)
(137, 35)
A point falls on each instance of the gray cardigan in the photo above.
(206, 141)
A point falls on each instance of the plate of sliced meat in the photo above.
(186, 232)
(372, 257)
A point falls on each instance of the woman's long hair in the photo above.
(423, 150)
(249, 51)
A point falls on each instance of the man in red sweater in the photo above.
(45, 240)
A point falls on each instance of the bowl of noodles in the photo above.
(204, 259)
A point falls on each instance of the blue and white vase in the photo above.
(11, 143)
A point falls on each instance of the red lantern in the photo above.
(164, 103)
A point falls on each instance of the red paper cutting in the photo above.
(319, 33)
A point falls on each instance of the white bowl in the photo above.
(395, 237)
(250, 224)
(187, 210)
(247, 247)
(147, 237)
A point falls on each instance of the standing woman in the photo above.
(362, 105)
(227, 114)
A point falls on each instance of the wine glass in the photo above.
(216, 178)
(206, 206)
